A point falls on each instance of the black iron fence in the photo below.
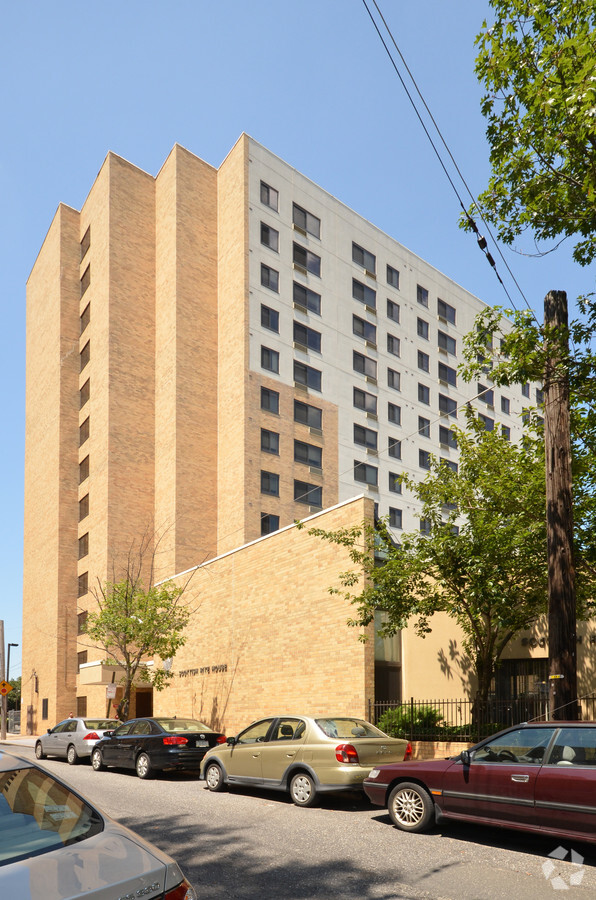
(462, 720)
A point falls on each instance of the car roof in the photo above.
(9, 761)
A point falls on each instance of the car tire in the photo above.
(214, 777)
(72, 757)
(39, 754)
(303, 789)
(143, 766)
(97, 761)
(410, 807)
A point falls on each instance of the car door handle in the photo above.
(291, 753)
(521, 778)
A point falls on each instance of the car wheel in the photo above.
(143, 766)
(303, 790)
(39, 751)
(410, 807)
(214, 777)
(72, 755)
(97, 761)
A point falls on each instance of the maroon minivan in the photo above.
(534, 777)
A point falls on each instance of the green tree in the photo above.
(14, 698)
(483, 563)
(536, 63)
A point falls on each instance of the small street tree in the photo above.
(481, 559)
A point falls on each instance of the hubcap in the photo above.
(408, 807)
(302, 789)
(96, 760)
(213, 776)
(142, 765)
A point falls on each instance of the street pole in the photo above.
(3, 723)
(562, 636)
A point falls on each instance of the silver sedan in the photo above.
(73, 738)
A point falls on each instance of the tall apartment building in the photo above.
(213, 354)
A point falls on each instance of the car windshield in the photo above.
(348, 728)
(38, 814)
(182, 725)
(102, 724)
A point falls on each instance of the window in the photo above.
(394, 447)
(506, 432)
(526, 389)
(307, 299)
(85, 317)
(366, 437)
(488, 423)
(423, 394)
(308, 454)
(425, 526)
(306, 259)
(422, 295)
(394, 413)
(394, 483)
(424, 459)
(446, 311)
(85, 280)
(269, 441)
(269, 196)
(364, 294)
(423, 426)
(269, 237)
(365, 401)
(84, 432)
(450, 464)
(393, 277)
(447, 374)
(307, 375)
(539, 397)
(85, 355)
(269, 523)
(83, 507)
(393, 345)
(84, 545)
(395, 517)
(364, 365)
(394, 379)
(364, 329)
(81, 659)
(269, 318)
(270, 278)
(85, 242)
(269, 483)
(365, 473)
(393, 310)
(82, 622)
(422, 328)
(83, 584)
(269, 359)
(308, 337)
(448, 406)
(423, 361)
(312, 494)
(83, 470)
(447, 343)
(307, 415)
(487, 396)
(84, 393)
(447, 438)
(363, 258)
(306, 221)
(269, 400)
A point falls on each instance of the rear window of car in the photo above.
(38, 814)
(348, 728)
(101, 724)
(182, 725)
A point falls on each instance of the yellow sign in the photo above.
(5, 688)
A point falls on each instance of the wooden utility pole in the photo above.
(562, 637)
(3, 698)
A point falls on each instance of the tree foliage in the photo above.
(536, 63)
(484, 561)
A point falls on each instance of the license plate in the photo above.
(202, 744)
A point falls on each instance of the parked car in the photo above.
(73, 739)
(305, 756)
(54, 845)
(534, 777)
(148, 745)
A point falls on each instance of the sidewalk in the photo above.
(19, 740)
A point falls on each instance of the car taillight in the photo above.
(175, 739)
(184, 891)
(346, 753)
(408, 753)
(221, 739)
(92, 736)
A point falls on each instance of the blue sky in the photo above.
(309, 80)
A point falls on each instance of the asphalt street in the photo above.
(248, 844)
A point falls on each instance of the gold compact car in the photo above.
(305, 756)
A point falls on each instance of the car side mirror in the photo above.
(49, 730)
(466, 757)
(231, 741)
(108, 733)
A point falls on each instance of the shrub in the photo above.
(403, 721)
